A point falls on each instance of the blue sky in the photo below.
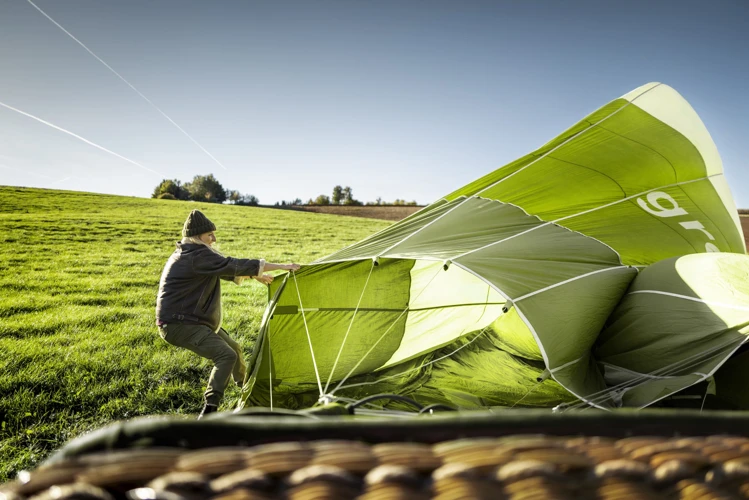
(397, 99)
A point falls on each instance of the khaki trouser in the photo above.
(225, 353)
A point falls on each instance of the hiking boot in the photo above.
(207, 409)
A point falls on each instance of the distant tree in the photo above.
(166, 196)
(296, 201)
(171, 186)
(322, 200)
(347, 195)
(238, 198)
(206, 188)
(233, 196)
(378, 201)
(337, 197)
(250, 200)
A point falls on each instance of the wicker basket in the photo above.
(640, 455)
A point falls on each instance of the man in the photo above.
(188, 307)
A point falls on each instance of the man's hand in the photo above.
(265, 279)
(270, 266)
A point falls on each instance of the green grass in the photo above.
(78, 279)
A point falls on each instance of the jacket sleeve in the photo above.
(207, 263)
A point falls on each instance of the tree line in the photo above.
(207, 188)
(202, 188)
(343, 196)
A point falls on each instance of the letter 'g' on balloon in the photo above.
(661, 211)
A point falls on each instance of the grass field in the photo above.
(78, 279)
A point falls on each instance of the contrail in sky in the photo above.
(45, 122)
(61, 181)
(129, 85)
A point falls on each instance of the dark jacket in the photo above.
(190, 287)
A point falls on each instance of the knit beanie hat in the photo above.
(197, 224)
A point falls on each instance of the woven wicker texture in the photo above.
(512, 467)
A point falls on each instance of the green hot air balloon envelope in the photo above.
(495, 294)
(681, 319)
